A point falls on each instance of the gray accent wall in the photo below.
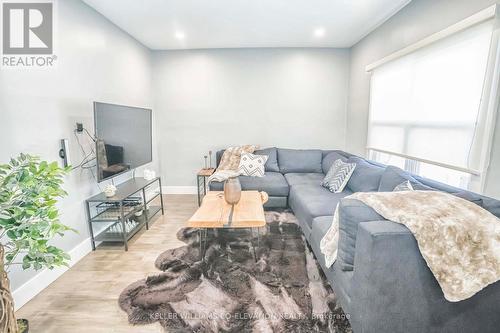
(38, 107)
(210, 99)
(417, 20)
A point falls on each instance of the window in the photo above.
(430, 109)
(445, 175)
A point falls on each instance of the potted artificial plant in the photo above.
(29, 189)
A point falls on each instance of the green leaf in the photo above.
(29, 215)
(12, 234)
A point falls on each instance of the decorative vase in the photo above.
(109, 190)
(232, 190)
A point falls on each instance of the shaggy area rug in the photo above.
(281, 290)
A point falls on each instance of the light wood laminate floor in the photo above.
(85, 298)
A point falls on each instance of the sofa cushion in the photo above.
(340, 280)
(351, 214)
(490, 204)
(469, 196)
(337, 177)
(297, 160)
(273, 183)
(310, 201)
(304, 178)
(392, 177)
(272, 160)
(320, 226)
(366, 176)
(328, 160)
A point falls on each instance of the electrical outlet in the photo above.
(79, 127)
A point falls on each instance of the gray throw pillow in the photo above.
(328, 160)
(392, 177)
(366, 177)
(272, 158)
(337, 177)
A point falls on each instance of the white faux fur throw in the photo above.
(228, 165)
(222, 175)
(459, 240)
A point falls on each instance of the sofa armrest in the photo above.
(352, 212)
(393, 290)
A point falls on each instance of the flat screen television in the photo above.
(123, 138)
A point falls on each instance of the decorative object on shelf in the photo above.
(210, 159)
(28, 227)
(232, 190)
(206, 164)
(149, 174)
(110, 190)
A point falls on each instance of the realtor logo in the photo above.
(27, 28)
(28, 34)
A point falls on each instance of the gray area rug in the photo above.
(282, 290)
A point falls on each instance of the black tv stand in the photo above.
(120, 217)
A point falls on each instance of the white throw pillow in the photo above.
(252, 165)
(337, 177)
(404, 186)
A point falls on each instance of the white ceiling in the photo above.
(194, 24)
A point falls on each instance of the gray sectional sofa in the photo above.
(380, 277)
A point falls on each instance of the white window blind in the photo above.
(427, 104)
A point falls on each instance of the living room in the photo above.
(264, 166)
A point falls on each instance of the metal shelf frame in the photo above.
(120, 211)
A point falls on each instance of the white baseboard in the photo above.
(179, 189)
(44, 278)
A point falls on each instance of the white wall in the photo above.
(210, 99)
(96, 61)
(202, 99)
(417, 20)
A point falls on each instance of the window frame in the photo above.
(490, 98)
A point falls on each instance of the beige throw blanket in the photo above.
(459, 240)
(229, 163)
(230, 160)
(222, 175)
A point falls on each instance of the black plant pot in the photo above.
(24, 324)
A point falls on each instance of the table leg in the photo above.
(161, 197)
(89, 219)
(204, 186)
(205, 231)
(145, 208)
(202, 235)
(199, 241)
(124, 230)
(258, 238)
(199, 194)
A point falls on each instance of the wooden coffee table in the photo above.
(215, 213)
